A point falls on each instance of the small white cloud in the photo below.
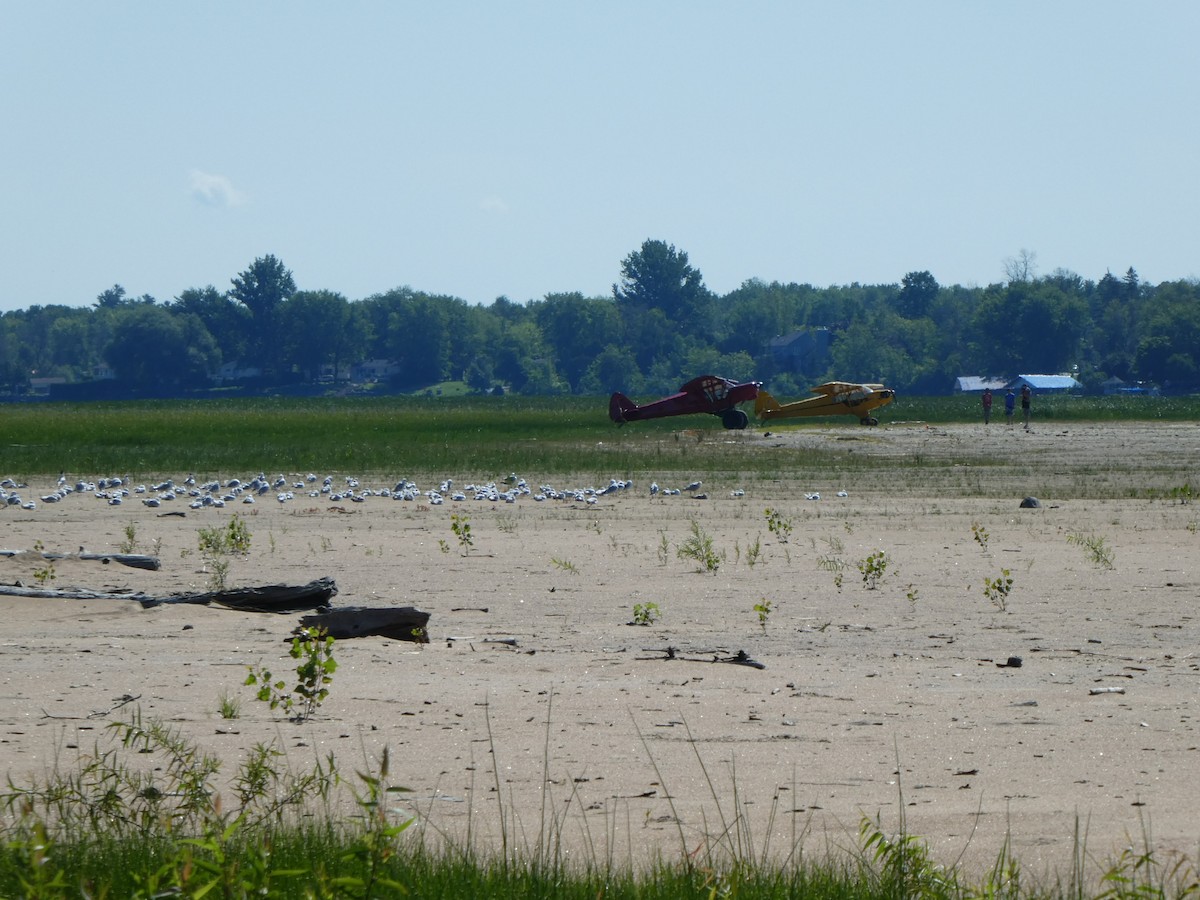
(213, 190)
(493, 205)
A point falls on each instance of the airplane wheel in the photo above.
(734, 419)
(870, 420)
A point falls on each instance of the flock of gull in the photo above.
(199, 494)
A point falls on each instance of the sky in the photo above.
(520, 149)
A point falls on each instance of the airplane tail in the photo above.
(618, 406)
(764, 402)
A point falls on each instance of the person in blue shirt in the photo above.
(1010, 403)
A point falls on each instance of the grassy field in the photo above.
(408, 436)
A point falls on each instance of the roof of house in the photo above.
(978, 383)
(1047, 382)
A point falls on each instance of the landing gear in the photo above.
(734, 419)
(869, 420)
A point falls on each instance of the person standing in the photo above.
(987, 405)
(1010, 402)
(1026, 400)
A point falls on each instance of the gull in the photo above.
(694, 486)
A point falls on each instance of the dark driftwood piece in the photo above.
(401, 623)
(276, 598)
(133, 560)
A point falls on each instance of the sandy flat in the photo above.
(871, 702)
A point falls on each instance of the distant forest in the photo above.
(659, 327)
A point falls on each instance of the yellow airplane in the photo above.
(834, 398)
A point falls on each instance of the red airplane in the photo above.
(706, 394)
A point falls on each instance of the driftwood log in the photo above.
(276, 598)
(401, 623)
(133, 560)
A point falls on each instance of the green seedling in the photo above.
(778, 525)
(461, 526)
(645, 613)
(763, 608)
(313, 648)
(980, 534)
(218, 544)
(565, 564)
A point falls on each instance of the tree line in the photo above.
(659, 327)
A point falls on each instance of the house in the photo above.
(375, 370)
(1117, 387)
(234, 371)
(977, 384)
(1045, 384)
(805, 352)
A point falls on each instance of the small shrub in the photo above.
(763, 608)
(754, 551)
(229, 706)
(664, 547)
(129, 544)
(998, 589)
(699, 548)
(835, 564)
(873, 568)
(1096, 548)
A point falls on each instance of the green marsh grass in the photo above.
(404, 435)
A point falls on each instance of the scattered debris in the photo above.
(740, 658)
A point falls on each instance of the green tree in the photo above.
(262, 289)
(613, 369)
(659, 278)
(111, 298)
(317, 328)
(918, 291)
(577, 328)
(226, 320)
(521, 356)
(154, 349)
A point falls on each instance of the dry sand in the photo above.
(872, 703)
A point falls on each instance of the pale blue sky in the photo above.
(517, 148)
